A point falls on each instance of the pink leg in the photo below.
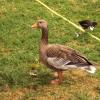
(59, 78)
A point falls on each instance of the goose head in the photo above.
(40, 24)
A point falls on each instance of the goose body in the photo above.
(62, 58)
(59, 57)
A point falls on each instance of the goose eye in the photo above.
(40, 22)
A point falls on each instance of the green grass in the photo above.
(19, 50)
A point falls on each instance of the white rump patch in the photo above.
(92, 69)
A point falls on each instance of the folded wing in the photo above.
(63, 58)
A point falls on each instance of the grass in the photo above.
(19, 50)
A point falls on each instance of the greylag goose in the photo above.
(59, 57)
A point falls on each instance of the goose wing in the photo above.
(63, 58)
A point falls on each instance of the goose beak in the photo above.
(34, 26)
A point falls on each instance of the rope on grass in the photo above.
(78, 27)
(94, 37)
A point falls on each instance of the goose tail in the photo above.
(90, 69)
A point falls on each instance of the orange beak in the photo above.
(35, 25)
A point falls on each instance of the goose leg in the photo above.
(55, 74)
(59, 78)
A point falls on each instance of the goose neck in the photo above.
(44, 37)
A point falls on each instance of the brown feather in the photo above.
(66, 53)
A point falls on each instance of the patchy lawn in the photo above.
(19, 50)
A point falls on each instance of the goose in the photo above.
(59, 57)
(88, 24)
